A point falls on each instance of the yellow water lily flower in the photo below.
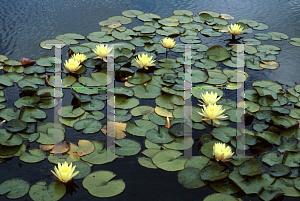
(211, 98)
(235, 29)
(72, 65)
(144, 61)
(79, 57)
(102, 51)
(221, 152)
(212, 112)
(168, 43)
(64, 173)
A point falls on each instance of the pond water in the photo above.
(25, 24)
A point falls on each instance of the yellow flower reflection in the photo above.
(144, 61)
(211, 98)
(79, 57)
(72, 65)
(221, 152)
(235, 29)
(64, 173)
(102, 51)
(212, 112)
(168, 43)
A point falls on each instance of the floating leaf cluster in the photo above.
(211, 66)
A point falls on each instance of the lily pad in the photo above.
(218, 53)
(99, 155)
(48, 44)
(162, 137)
(16, 125)
(40, 191)
(69, 38)
(251, 168)
(16, 187)
(168, 160)
(127, 147)
(214, 173)
(278, 35)
(34, 156)
(104, 188)
(189, 178)
(89, 126)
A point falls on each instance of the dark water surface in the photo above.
(24, 24)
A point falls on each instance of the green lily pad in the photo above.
(250, 23)
(89, 125)
(16, 125)
(183, 12)
(31, 114)
(220, 197)
(68, 112)
(48, 44)
(168, 160)
(36, 155)
(16, 188)
(139, 78)
(142, 127)
(226, 186)
(182, 18)
(34, 69)
(216, 76)
(83, 168)
(262, 36)
(40, 191)
(162, 137)
(132, 13)
(146, 92)
(210, 32)
(170, 22)
(272, 158)
(190, 39)
(268, 49)
(122, 102)
(69, 38)
(127, 147)
(7, 139)
(211, 13)
(9, 78)
(95, 104)
(278, 35)
(180, 143)
(144, 29)
(45, 61)
(190, 178)
(148, 17)
(51, 136)
(104, 188)
(261, 26)
(29, 101)
(251, 168)
(30, 81)
(121, 19)
(13, 62)
(218, 53)
(168, 31)
(295, 41)
(214, 173)
(283, 121)
(167, 101)
(203, 17)
(279, 170)
(9, 113)
(99, 155)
